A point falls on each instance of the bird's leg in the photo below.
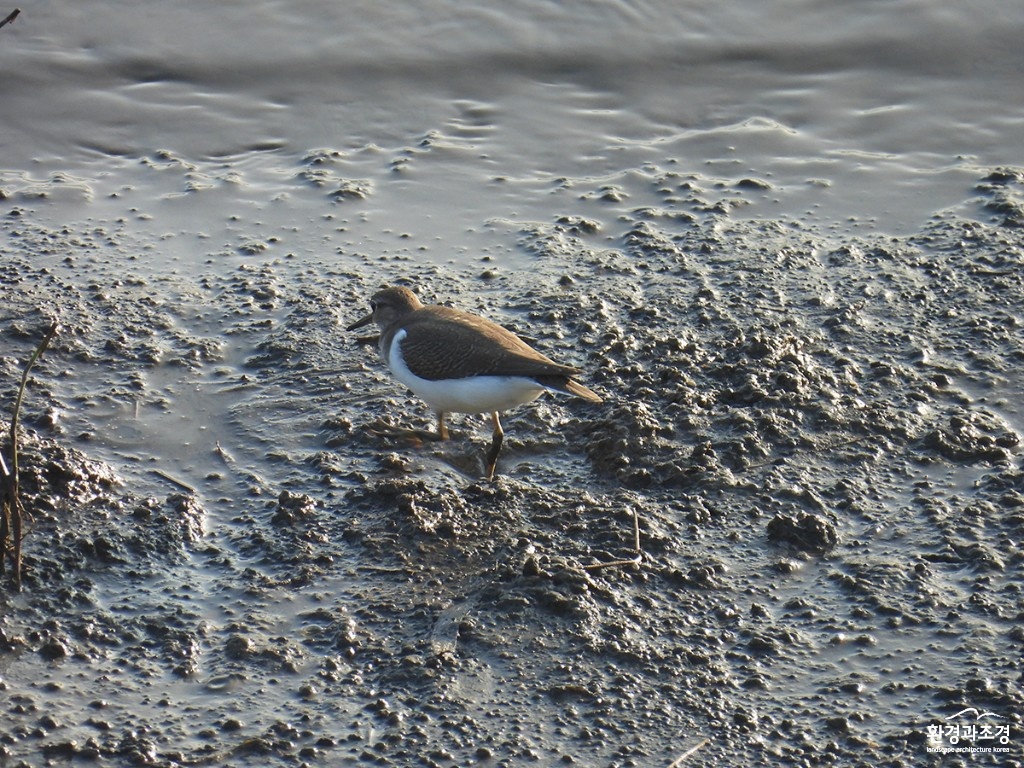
(496, 439)
(442, 428)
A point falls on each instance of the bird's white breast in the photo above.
(473, 394)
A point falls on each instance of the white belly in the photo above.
(477, 394)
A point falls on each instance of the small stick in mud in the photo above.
(174, 481)
(10, 17)
(635, 560)
(226, 457)
(12, 519)
(688, 753)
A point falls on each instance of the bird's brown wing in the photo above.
(471, 343)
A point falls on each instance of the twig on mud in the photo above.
(635, 560)
(8, 500)
(12, 520)
(229, 461)
(10, 17)
(688, 753)
(174, 481)
(226, 457)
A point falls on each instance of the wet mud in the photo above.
(819, 433)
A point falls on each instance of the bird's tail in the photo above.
(568, 386)
(573, 387)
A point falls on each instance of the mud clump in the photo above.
(804, 532)
(976, 436)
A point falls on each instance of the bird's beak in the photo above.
(360, 323)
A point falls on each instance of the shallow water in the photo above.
(771, 228)
(879, 114)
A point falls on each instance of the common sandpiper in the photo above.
(461, 363)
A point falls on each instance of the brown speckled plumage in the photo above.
(445, 343)
(457, 361)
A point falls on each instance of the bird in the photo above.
(458, 362)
